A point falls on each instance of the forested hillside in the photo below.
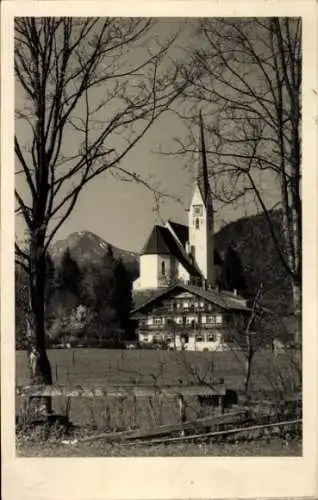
(250, 238)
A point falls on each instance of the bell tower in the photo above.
(201, 216)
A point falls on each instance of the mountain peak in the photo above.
(87, 247)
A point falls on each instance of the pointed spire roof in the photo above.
(202, 173)
(162, 242)
(156, 243)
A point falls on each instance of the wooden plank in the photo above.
(121, 391)
(161, 430)
(221, 433)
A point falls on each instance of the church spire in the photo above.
(201, 217)
(202, 172)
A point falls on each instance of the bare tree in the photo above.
(91, 90)
(246, 75)
(257, 334)
(247, 333)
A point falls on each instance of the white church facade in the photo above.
(182, 270)
(178, 253)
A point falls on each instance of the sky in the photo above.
(123, 213)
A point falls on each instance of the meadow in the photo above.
(271, 377)
(93, 367)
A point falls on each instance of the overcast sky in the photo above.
(123, 212)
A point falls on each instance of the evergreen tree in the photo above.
(233, 271)
(110, 252)
(98, 293)
(123, 296)
(64, 296)
(68, 276)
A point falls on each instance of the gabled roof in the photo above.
(143, 297)
(156, 243)
(140, 297)
(162, 242)
(223, 300)
(181, 231)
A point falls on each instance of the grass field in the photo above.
(97, 367)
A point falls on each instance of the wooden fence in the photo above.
(235, 421)
(213, 392)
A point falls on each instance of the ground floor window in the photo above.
(212, 337)
(199, 337)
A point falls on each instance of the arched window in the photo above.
(197, 223)
(163, 268)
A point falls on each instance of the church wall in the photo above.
(166, 267)
(148, 272)
(156, 271)
(183, 275)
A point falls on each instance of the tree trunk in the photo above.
(41, 374)
(297, 307)
(39, 365)
(248, 365)
(297, 296)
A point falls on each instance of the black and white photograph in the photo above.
(158, 235)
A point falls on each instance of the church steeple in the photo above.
(201, 226)
(202, 170)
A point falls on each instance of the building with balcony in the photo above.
(189, 317)
(181, 272)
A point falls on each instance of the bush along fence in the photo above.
(140, 413)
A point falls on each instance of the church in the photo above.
(182, 269)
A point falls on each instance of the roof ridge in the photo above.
(156, 243)
(211, 295)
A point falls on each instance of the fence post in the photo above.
(182, 411)
(221, 405)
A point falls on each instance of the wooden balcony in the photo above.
(181, 327)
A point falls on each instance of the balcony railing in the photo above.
(181, 327)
